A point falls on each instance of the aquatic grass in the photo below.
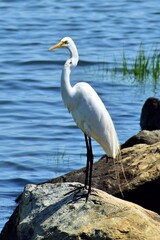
(155, 65)
(145, 65)
(141, 66)
(124, 64)
(115, 68)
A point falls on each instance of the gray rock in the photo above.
(47, 212)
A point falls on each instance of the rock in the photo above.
(147, 137)
(48, 212)
(150, 114)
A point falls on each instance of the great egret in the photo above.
(88, 111)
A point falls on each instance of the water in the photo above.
(38, 138)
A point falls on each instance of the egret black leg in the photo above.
(88, 177)
(89, 165)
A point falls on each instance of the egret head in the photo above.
(68, 43)
(65, 42)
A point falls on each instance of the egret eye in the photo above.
(66, 42)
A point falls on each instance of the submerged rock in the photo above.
(50, 212)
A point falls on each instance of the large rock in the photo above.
(47, 212)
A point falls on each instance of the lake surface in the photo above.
(38, 138)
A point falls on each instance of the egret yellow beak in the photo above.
(58, 45)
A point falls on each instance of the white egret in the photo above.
(88, 111)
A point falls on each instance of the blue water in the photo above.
(38, 138)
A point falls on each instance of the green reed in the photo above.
(143, 66)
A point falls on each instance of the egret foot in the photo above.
(78, 193)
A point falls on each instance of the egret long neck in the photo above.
(74, 53)
(66, 88)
